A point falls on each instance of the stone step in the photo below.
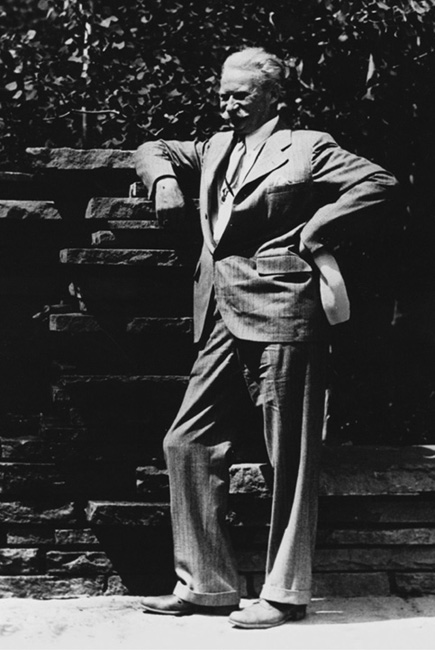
(122, 209)
(17, 185)
(127, 513)
(69, 159)
(121, 398)
(71, 381)
(97, 345)
(26, 210)
(397, 529)
(122, 257)
(356, 471)
(146, 235)
(77, 323)
(355, 559)
(64, 478)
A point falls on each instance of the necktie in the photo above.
(234, 164)
(228, 189)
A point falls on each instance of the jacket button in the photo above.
(206, 216)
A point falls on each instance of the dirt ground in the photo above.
(118, 622)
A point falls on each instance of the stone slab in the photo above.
(75, 537)
(45, 587)
(365, 559)
(121, 257)
(19, 561)
(25, 210)
(39, 511)
(377, 470)
(118, 208)
(350, 585)
(368, 511)
(77, 323)
(415, 584)
(30, 479)
(69, 159)
(379, 537)
(127, 513)
(76, 563)
(29, 536)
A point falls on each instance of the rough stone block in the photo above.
(159, 382)
(77, 323)
(126, 513)
(39, 511)
(362, 511)
(350, 585)
(19, 561)
(16, 185)
(152, 483)
(78, 564)
(29, 536)
(30, 479)
(414, 584)
(150, 326)
(116, 587)
(375, 558)
(22, 450)
(250, 478)
(102, 237)
(126, 209)
(44, 587)
(75, 537)
(121, 257)
(28, 210)
(381, 537)
(68, 159)
(352, 471)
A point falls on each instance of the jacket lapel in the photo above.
(219, 148)
(273, 155)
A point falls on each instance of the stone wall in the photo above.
(95, 348)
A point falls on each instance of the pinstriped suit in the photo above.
(259, 326)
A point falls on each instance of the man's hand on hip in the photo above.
(169, 201)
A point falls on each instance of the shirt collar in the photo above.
(255, 139)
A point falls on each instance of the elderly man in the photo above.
(267, 288)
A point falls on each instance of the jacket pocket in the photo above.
(281, 265)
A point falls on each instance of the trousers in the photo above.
(287, 381)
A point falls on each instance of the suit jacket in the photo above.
(261, 271)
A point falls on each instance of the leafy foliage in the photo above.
(110, 74)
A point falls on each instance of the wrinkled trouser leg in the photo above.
(196, 451)
(288, 381)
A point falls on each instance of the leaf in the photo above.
(11, 86)
(371, 69)
(108, 21)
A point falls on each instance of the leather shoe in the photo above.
(265, 613)
(175, 606)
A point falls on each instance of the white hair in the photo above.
(270, 68)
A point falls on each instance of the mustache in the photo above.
(228, 115)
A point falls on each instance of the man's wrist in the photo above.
(166, 179)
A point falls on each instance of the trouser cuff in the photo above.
(287, 596)
(226, 598)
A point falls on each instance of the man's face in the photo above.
(244, 102)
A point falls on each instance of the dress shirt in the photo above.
(254, 143)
